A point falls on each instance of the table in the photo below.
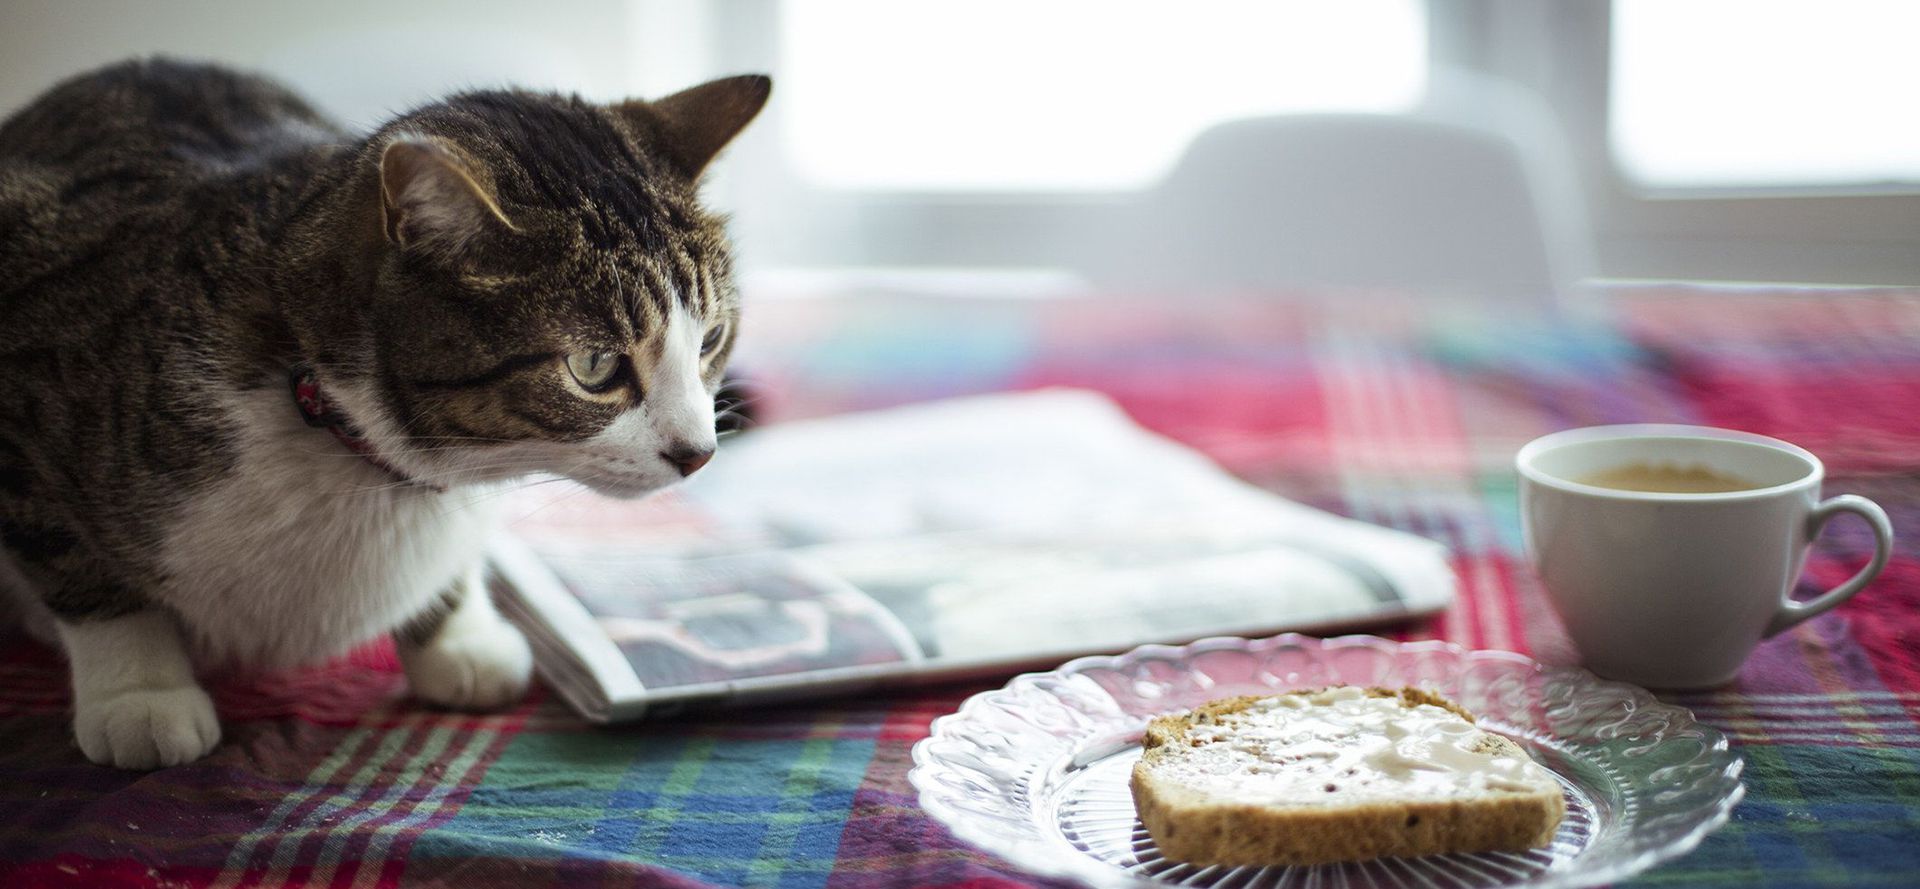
(1396, 411)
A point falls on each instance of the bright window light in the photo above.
(1068, 94)
(1710, 93)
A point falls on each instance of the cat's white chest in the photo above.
(306, 550)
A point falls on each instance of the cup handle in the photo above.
(1790, 612)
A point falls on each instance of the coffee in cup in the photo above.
(1669, 552)
(1667, 478)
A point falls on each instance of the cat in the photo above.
(263, 378)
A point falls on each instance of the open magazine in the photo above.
(929, 542)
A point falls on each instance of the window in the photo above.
(1009, 95)
(1732, 93)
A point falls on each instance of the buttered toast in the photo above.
(1337, 774)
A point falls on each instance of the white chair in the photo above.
(1471, 196)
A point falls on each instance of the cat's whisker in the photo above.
(451, 476)
(481, 496)
(476, 471)
(478, 438)
(350, 454)
(562, 499)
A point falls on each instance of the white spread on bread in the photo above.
(1341, 743)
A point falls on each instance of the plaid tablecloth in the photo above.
(1400, 413)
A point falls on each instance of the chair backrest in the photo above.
(1410, 202)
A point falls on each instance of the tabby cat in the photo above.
(262, 377)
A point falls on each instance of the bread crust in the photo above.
(1191, 826)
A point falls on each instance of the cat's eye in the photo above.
(593, 370)
(713, 340)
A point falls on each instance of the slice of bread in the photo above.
(1337, 774)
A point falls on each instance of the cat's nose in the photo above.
(687, 459)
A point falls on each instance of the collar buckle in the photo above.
(308, 397)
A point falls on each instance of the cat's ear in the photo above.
(694, 124)
(429, 199)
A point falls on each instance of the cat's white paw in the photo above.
(471, 665)
(147, 728)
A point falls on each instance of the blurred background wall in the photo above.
(1022, 142)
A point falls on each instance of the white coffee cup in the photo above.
(1674, 590)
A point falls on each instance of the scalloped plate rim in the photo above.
(1032, 855)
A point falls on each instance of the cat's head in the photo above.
(548, 294)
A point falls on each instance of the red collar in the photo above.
(319, 413)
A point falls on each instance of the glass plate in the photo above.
(1036, 772)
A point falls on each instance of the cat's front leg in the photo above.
(461, 653)
(135, 702)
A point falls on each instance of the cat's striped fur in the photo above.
(174, 238)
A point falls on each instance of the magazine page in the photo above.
(935, 540)
(1050, 464)
(992, 596)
